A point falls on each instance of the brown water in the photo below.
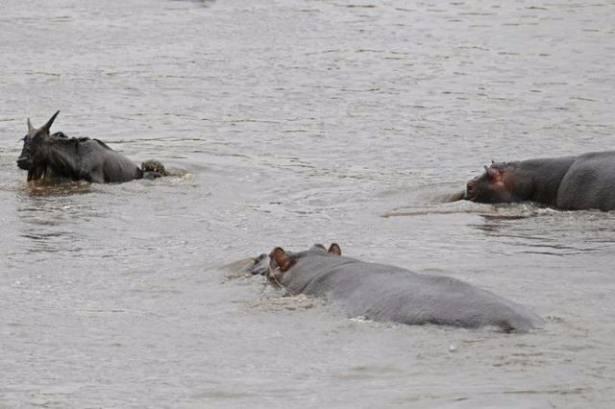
(300, 122)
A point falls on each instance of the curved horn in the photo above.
(47, 126)
(30, 127)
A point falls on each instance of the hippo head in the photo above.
(260, 265)
(281, 261)
(33, 154)
(499, 184)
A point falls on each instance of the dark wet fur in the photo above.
(57, 157)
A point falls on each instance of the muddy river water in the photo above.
(299, 122)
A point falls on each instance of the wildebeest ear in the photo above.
(30, 127)
(47, 126)
(335, 249)
(281, 258)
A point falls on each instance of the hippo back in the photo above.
(387, 293)
(589, 183)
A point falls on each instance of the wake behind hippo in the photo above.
(56, 157)
(387, 293)
(568, 183)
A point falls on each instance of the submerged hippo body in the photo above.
(57, 157)
(568, 183)
(387, 293)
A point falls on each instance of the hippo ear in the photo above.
(494, 174)
(30, 127)
(47, 126)
(319, 246)
(335, 249)
(281, 259)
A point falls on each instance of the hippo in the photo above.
(58, 157)
(383, 292)
(567, 183)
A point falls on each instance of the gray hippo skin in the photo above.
(568, 183)
(57, 157)
(386, 293)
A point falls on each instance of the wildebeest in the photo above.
(387, 293)
(569, 183)
(56, 157)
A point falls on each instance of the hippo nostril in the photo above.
(469, 191)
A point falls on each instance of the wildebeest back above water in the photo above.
(569, 183)
(387, 293)
(56, 157)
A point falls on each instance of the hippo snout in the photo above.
(24, 163)
(261, 265)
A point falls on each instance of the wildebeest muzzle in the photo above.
(24, 162)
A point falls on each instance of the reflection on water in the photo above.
(52, 242)
(49, 217)
(552, 232)
(53, 188)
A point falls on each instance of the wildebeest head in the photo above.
(33, 156)
(280, 261)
